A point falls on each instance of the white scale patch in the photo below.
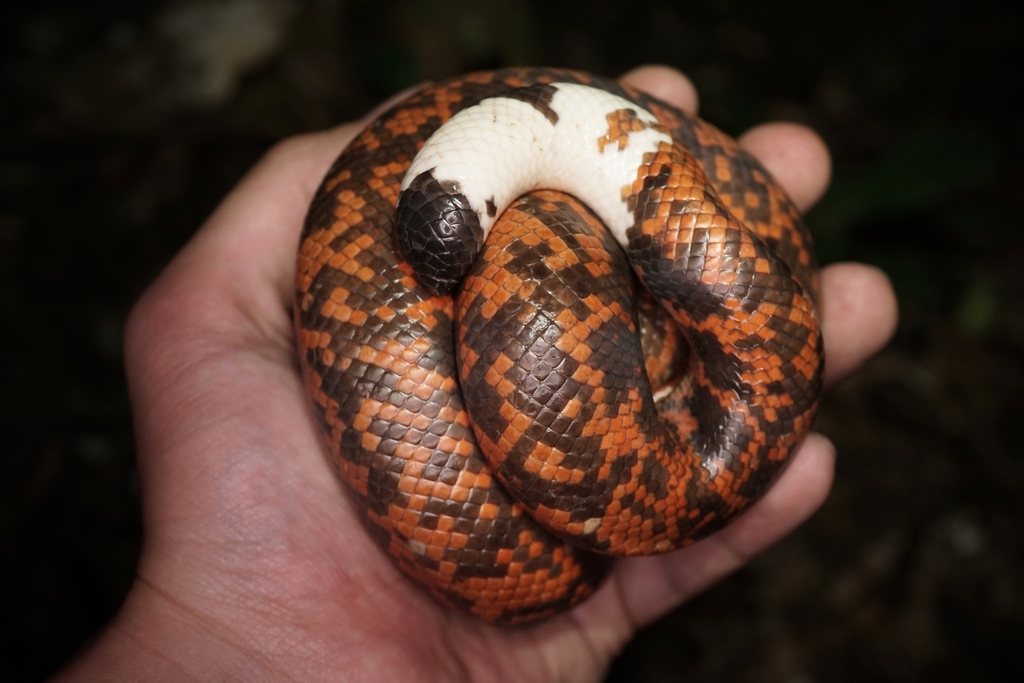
(502, 148)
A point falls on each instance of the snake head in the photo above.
(438, 232)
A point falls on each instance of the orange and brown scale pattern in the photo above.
(552, 370)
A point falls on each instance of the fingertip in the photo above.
(795, 155)
(859, 314)
(817, 459)
(666, 84)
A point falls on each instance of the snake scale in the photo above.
(475, 364)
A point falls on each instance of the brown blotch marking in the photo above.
(538, 96)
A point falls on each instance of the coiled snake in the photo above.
(498, 474)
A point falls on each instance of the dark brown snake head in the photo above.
(437, 233)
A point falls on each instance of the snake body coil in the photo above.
(494, 473)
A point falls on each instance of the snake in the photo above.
(468, 283)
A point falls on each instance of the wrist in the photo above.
(153, 637)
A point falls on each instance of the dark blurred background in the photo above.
(122, 123)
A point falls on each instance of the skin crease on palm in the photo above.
(255, 566)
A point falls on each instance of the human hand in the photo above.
(255, 566)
